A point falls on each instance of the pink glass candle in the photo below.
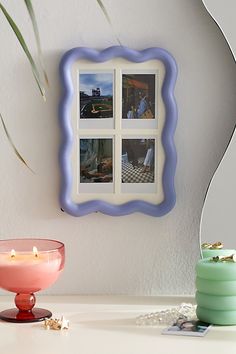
(27, 266)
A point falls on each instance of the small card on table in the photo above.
(182, 327)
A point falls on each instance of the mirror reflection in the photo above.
(219, 211)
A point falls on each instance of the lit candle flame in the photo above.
(35, 251)
(13, 253)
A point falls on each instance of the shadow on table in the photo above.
(112, 323)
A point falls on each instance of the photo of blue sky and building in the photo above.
(96, 95)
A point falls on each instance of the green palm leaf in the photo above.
(30, 9)
(13, 145)
(25, 48)
(104, 10)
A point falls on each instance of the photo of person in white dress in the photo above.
(148, 161)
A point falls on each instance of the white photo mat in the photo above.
(118, 129)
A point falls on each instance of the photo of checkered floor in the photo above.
(135, 175)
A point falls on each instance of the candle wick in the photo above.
(35, 252)
(13, 254)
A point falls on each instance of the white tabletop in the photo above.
(106, 325)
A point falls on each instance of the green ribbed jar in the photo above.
(216, 291)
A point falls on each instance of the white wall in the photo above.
(135, 254)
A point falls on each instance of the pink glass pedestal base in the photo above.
(25, 311)
(35, 315)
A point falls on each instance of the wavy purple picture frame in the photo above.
(80, 209)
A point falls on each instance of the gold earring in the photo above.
(217, 245)
(231, 258)
(212, 246)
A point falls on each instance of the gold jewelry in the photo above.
(217, 245)
(56, 324)
(206, 245)
(212, 246)
(231, 258)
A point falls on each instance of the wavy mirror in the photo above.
(218, 214)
